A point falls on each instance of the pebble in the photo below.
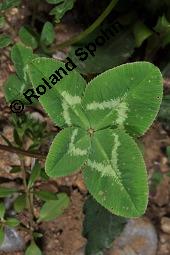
(138, 238)
(12, 241)
(165, 225)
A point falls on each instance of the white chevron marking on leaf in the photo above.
(103, 105)
(114, 159)
(118, 104)
(122, 110)
(73, 151)
(109, 168)
(69, 101)
(66, 113)
(105, 168)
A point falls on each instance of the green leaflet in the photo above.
(68, 152)
(5, 192)
(54, 208)
(5, 40)
(115, 174)
(2, 235)
(61, 8)
(12, 222)
(14, 88)
(21, 56)
(47, 34)
(63, 101)
(35, 173)
(27, 37)
(6, 4)
(33, 249)
(20, 203)
(97, 117)
(2, 211)
(127, 96)
(100, 236)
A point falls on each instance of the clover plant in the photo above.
(100, 122)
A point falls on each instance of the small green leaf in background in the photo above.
(12, 222)
(61, 9)
(163, 28)
(37, 235)
(35, 173)
(5, 40)
(48, 34)
(5, 192)
(46, 195)
(168, 152)
(43, 175)
(2, 21)
(100, 227)
(17, 137)
(155, 180)
(6, 4)
(2, 210)
(2, 235)
(162, 25)
(164, 112)
(21, 55)
(14, 88)
(141, 33)
(54, 208)
(20, 203)
(15, 169)
(27, 38)
(55, 1)
(33, 249)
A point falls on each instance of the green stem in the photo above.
(90, 29)
(28, 199)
